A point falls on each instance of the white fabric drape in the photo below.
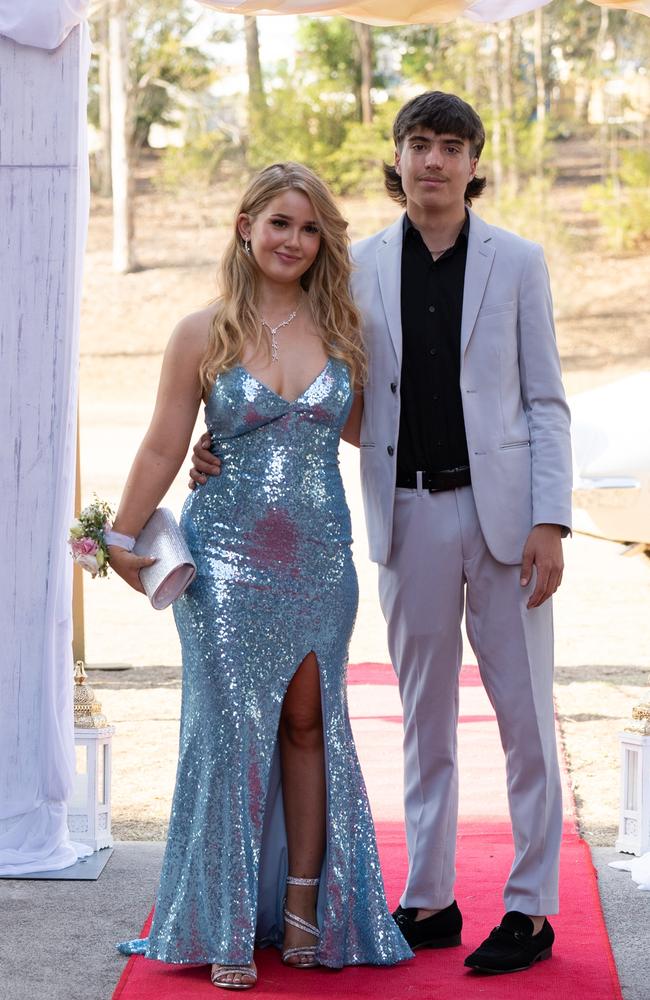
(45, 23)
(405, 11)
(385, 12)
(639, 869)
(44, 210)
(42, 23)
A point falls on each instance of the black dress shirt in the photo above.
(432, 429)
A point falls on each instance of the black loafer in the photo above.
(512, 946)
(442, 930)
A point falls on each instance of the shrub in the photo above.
(622, 203)
(195, 165)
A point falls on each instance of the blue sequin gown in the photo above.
(275, 580)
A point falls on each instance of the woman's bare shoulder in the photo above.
(192, 332)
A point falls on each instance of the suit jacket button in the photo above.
(393, 387)
(390, 449)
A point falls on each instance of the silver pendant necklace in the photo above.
(273, 330)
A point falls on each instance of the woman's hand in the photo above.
(204, 463)
(127, 565)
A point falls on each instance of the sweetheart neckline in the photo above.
(289, 402)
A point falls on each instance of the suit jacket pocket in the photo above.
(514, 444)
(367, 444)
(495, 308)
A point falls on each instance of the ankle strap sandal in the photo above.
(307, 953)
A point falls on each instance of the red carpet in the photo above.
(582, 963)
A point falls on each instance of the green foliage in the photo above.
(166, 69)
(622, 203)
(320, 129)
(197, 164)
(327, 46)
(356, 166)
(302, 123)
(438, 57)
(635, 168)
(313, 112)
(530, 211)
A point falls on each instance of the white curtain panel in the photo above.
(44, 211)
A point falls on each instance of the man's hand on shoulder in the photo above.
(204, 463)
(543, 550)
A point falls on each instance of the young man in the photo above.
(466, 473)
(466, 477)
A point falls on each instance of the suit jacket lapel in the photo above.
(389, 271)
(480, 255)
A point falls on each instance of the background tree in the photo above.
(145, 69)
(122, 179)
(256, 97)
(330, 103)
(364, 41)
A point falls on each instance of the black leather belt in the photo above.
(437, 482)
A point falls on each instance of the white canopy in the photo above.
(45, 23)
(405, 11)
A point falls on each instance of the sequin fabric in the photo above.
(275, 580)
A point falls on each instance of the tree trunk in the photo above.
(507, 77)
(256, 96)
(364, 41)
(104, 157)
(121, 166)
(470, 35)
(495, 101)
(540, 90)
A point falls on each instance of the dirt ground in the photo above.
(602, 638)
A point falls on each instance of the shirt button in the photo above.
(390, 449)
(433, 352)
(436, 398)
(393, 387)
(432, 309)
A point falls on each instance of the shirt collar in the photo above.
(409, 226)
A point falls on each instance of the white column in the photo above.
(43, 208)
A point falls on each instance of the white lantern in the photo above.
(89, 811)
(634, 816)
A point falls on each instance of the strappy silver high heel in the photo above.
(308, 952)
(218, 972)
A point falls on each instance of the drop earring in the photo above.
(247, 247)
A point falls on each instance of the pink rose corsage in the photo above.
(87, 542)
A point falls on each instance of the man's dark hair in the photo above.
(444, 114)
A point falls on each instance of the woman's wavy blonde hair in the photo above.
(237, 320)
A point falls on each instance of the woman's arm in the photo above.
(352, 428)
(165, 444)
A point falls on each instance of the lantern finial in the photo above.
(87, 710)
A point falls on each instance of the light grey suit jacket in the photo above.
(515, 411)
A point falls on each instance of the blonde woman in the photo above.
(271, 838)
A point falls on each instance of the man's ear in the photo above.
(473, 166)
(397, 163)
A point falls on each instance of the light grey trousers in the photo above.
(439, 558)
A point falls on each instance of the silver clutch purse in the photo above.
(174, 568)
